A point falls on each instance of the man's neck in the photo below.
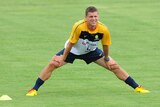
(91, 27)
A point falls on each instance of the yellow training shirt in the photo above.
(86, 40)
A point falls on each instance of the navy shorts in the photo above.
(88, 58)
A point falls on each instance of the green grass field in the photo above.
(32, 31)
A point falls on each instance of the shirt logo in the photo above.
(84, 43)
(100, 54)
(96, 37)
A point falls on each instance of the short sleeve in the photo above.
(75, 33)
(106, 40)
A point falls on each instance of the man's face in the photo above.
(92, 18)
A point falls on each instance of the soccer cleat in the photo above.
(140, 89)
(32, 92)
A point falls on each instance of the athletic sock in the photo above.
(38, 83)
(131, 82)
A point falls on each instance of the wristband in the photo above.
(106, 59)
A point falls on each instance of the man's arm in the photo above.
(106, 56)
(67, 50)
(106, 51)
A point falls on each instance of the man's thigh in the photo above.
(102, 62)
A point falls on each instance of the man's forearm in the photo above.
(106, 51)
(67, 50)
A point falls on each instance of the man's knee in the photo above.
(54, 63)
(114, 67)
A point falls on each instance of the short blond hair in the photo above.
(90, 9)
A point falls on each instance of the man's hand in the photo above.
(110, 64)
(59, 60)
